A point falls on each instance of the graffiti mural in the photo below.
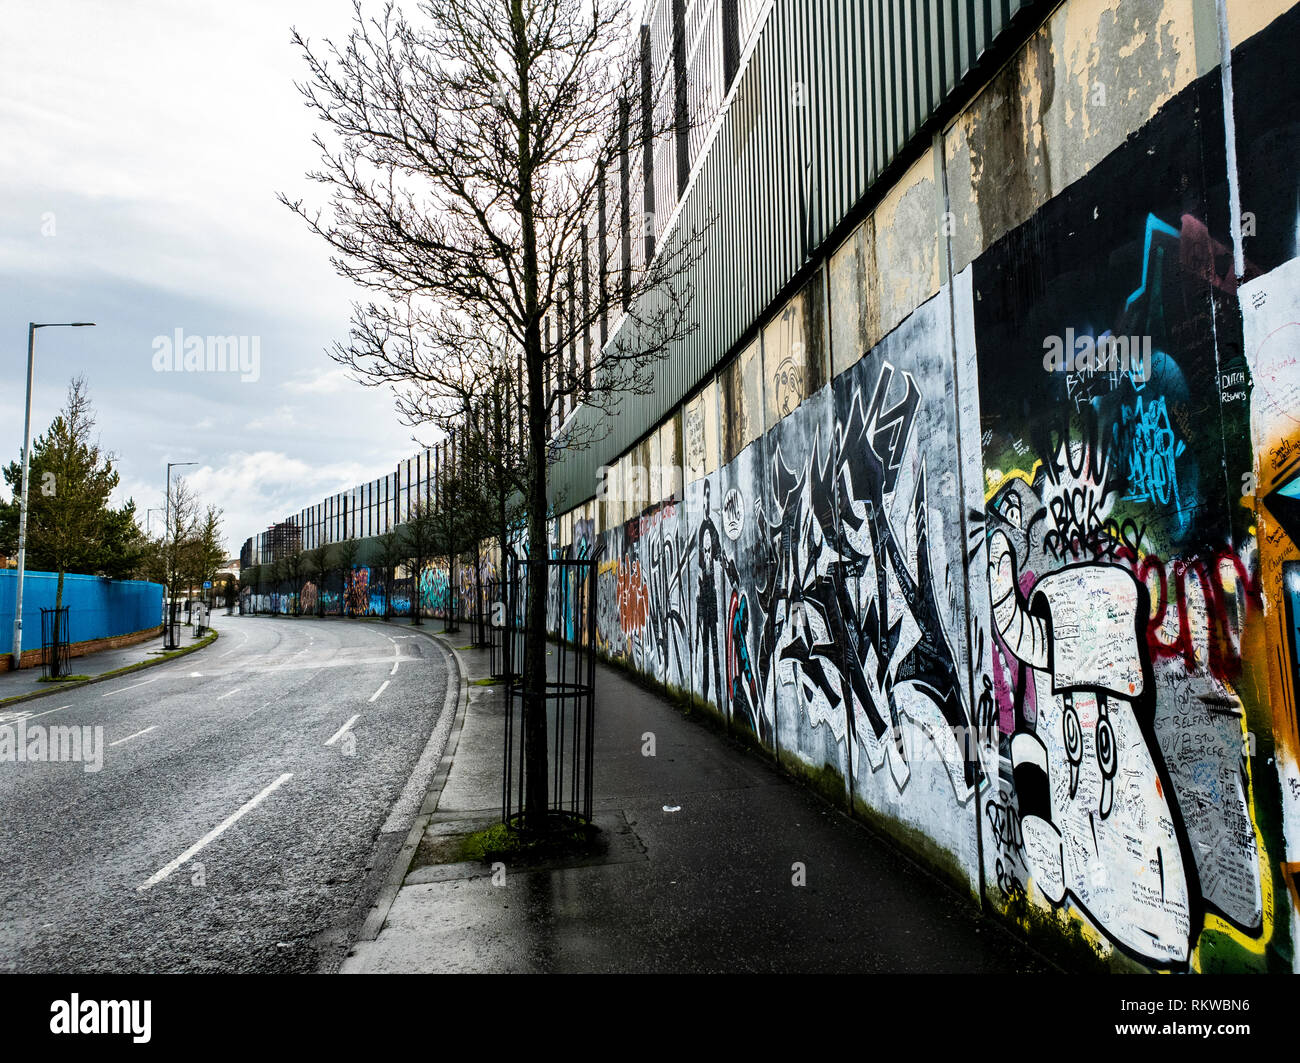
(1125, 584)
(994, 588)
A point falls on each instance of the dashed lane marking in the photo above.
(215, 833)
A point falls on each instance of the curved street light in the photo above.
(32, 326)
(168, 640)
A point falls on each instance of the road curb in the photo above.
(139, 666)
(383, 903)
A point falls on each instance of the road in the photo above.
(249, 802)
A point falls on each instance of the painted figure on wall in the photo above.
(706, 613)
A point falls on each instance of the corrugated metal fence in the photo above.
(834, 95)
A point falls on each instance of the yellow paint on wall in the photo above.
(906, 233)
(1248, 17)
(1094, 73)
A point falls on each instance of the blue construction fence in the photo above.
(98, 608)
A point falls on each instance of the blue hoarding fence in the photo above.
(97, 608)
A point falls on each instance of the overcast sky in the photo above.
(141, 146)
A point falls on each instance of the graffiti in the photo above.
(1037, 616)
(1004, 823)
(1199, 610)
(742, 689)
(1153, 453)
(843, 583)
(632, 600)
(1128, 577)
(435, 587)
(609, 628)
(706, 606)
(733, 515)
(1095, 819)
(788, 384)
(358, 595)
(666, 604)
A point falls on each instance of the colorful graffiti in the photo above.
(1068, 592)
(1042, 611)
(1126, 583)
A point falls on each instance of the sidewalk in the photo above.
(704, 889)
(28, 680)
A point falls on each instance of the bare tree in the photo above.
(392, 552)
(181, 535)
(473, 147)
(347, 553)
(202, 554)
(419, 547)
(295, 568)
(318, 564)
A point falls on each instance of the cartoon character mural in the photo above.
(1094, 808)
(1033, 610)
(1122, 626)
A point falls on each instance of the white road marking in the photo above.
(215, 833)
(14, 717)
(395, 664)
(136, 735)
(380, 690)
(227, 653)
(343, 730)
(119, 690)
(229, 692)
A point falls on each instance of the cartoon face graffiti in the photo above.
(1092, 789)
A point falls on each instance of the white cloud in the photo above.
(281, 419)
(256, 489)
(321, 382)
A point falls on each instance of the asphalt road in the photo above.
(249, 802)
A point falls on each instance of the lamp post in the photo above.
(32, 326)
(167, 531)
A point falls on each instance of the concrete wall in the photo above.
(366, 591)
(1036, 620)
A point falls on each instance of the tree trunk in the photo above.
(58, 615)
(534, 677)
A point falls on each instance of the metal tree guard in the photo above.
(172, 631)
(55, 648)
(498, 624)
(480, 619)
(569, 698)
(451, 622)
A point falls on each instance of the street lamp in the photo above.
(167, 530)
(32, 326)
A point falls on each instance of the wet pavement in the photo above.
(26, 681)
(709, 887)
(232, 811)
